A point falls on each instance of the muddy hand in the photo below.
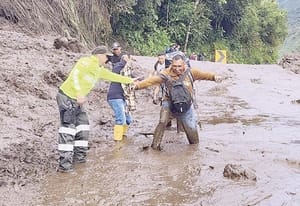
(125, 58)
(218, 78)
(133, 85)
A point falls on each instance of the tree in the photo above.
(250, 30)
(261, 32)
(185, 21)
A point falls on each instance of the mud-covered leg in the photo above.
(189, 124)
(67, 132)
(155, 94)
(160, 128)
(65, 147)
(158, 134)
(179, 125)
(81, 138)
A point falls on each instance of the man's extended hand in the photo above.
(218, 78)
(133, 85)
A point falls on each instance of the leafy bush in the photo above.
(250, 31)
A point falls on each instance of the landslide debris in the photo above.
(238, 172)
(31, 70)
(291, 62)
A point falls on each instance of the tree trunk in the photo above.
(189, 27)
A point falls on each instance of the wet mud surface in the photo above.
(249, 123)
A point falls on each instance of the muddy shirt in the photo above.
(85, 75)
(156, 80)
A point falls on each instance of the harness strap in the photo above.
(169, 80)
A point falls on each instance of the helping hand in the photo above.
(218, 78)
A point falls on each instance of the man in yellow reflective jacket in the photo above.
(74, 129)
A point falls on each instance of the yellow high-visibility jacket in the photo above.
(85, 75)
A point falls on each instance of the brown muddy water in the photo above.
(251, 119)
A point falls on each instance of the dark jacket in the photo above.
(115, 90)
(114, 59)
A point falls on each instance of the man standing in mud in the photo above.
(116, 98)
(74, 128)
(158, 67)
(177, 71)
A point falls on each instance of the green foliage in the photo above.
(251, 31)
(188, 14)
(140, 28)
(260, 33)
(179, 16)
(150, 45)
(272, 23)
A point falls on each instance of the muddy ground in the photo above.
(250, 122)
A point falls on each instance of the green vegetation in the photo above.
(251, 31)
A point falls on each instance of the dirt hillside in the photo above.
(88, 21)
(249, 137)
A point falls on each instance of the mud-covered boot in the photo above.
(179, 126)
(191, 134)
(118, 132)
(158, 135)
(65, 162)
(193, 137)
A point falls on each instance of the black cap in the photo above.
(115, 45)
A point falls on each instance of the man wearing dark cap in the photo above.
(74, 128)
(117, 53)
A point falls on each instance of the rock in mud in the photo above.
(297, 101)
(54, 78)
(71, 44)
(238, 172)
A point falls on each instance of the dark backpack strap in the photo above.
(168, 80)
(191, 78)
(190, 75)
(164, 86)
(194, 91)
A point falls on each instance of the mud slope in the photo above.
(249, 122)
